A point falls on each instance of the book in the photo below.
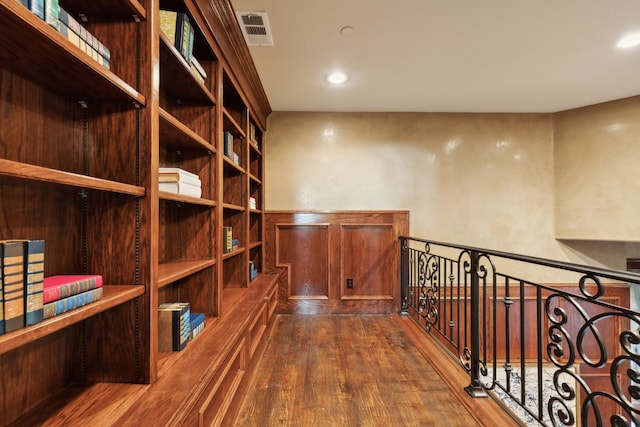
(227, 239)
(196, 321)
(181, 188)
(168, 21)
(62, 286)
(34, 281)
(173, 326)
(12, 259)
(69, 303)
(37, 8)
(177, 174)
(198, 68)
(228, 144)
(183, 30)
(51, 13)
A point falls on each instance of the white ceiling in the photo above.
(447, 55)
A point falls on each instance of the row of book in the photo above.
(58, 18)
(228, 148)
(27, 297)
(179, 181)
(177, 325)
(229, 244)
(178, 29)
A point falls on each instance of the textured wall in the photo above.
(477, 179)
(597, 171)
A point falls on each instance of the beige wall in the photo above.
(475, 179)
(597, 172)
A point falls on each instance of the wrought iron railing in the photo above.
(557, 343)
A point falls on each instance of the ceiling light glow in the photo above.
(337, 78)
(628, 41)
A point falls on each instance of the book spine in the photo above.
(37, 8)
(228, 144)
(51, 13)
(13, 284)
(185, 27)
(75, 301)
(64, 290)
(34, 280)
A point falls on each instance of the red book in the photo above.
(63, 286)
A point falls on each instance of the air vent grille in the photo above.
(255, 28)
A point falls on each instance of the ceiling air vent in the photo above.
(255, 28)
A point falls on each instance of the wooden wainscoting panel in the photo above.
(305, 248)
(368, 261)
(322, 249)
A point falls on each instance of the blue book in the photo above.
(37, 7)
(75, 301)
(197, 324)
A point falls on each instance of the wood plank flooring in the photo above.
(351, 370)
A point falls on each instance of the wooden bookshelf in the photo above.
(82, 145)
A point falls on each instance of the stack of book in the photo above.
(179, 181)
(63, 293)
(178, 29)
(21, 277)
(252, 203)
(58, 18)
(174, 326)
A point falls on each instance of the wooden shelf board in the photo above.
(113, 295)
(52, 55)
(231, 122)
(233, 254)
(254, 245)
(54, 176)
(97, 11)
(232, 207)
(174, 134)
(171, 271)
(254, 180)
(164, 195)
(228, 163)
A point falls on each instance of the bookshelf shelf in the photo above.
(170, 272)
(186, 199)
(113, 295)
(231, 207)
(177, 136)
(116, 9)
(52, 176)
(174, 67)
(52, 55)
(232, 123)
(230, 165)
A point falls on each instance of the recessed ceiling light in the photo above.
(630, 40)
(337, 78)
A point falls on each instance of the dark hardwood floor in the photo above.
(346, 370)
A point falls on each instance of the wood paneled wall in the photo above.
(324, 251)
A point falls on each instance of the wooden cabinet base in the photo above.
(195, 386)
